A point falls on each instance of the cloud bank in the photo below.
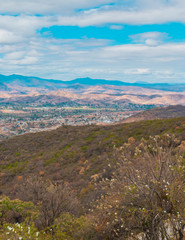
(150, 56)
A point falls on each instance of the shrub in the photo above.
(70, 228)
(53, 199)
(15, 211)
(145, 199)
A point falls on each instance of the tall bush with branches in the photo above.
(146, 197)
(53, 199)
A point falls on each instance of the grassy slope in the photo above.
(73, 153)
(158, 113)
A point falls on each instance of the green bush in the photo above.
(68, 227)
(16, 211)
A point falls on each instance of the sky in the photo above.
(127, 40)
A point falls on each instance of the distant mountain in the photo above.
(94, 82)
(158, 113)
(158, 86)
(3, 87)
(13, 81)
(22, 81)
(100, 96)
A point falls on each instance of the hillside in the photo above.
(104, 95)
(158, 113)
(73, 154)
(78, 181)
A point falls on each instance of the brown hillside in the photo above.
(73, 154)
(158, 113)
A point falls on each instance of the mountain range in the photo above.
(82, 91)
(24, 81)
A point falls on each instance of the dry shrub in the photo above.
(145, 199)
(53, 199)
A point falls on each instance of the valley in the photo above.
(29, 104)
(18, 120)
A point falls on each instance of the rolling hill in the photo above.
(74, 154)
(103, 97)
(158, 113)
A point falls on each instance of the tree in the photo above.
(53, 199)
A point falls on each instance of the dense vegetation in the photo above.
(96, 182)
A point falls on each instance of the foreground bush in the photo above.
(66, 227)
(52, 199)
(145, 199)
(19, 231)
(16, 211)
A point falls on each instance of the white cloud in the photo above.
(23, 23)
(47, 6)
(149, 38)
(8, 37)
(143, 51)
(137, 71)
(137, 13)
(151, 16)
(116, 27)
(21, 29)
(67, 59)
(24, 51)
(14, 55)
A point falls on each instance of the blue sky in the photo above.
(119, 34)
(128, 40)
